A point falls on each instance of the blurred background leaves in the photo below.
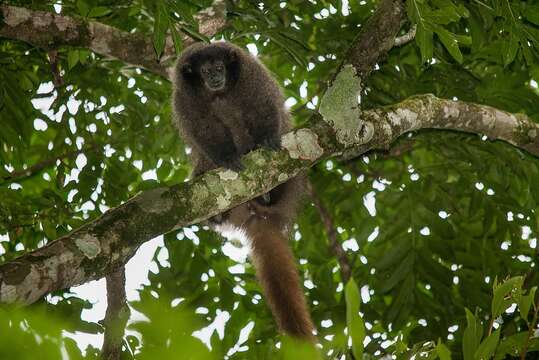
(430, 226)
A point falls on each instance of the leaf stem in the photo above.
(490, 326)
(531, 328)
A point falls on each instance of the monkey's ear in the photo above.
(187, 69)
(233, 56)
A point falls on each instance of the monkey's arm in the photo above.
(264, 124)
(214, 140)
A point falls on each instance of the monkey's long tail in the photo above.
(277, 272)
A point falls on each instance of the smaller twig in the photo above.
(406, 38)
(335, 246)
(376, 38)
(58, 81)
(483, 4)
(17, 175)
(531, 329)
(116, 316)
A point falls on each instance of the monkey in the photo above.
(225, 105)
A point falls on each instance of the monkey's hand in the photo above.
(272, 143)
(232, 163)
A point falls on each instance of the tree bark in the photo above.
(331, 232)
(341, 129)
(49, 31)
(108, 242)
(116, 316)
(377, 37)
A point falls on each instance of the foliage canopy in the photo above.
(432, 227)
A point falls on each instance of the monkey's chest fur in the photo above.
(236, 118)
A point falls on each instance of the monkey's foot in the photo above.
(264, 199)
(272, 143)
(233, 164)
(216, 220)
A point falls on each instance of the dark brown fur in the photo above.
(221, 126)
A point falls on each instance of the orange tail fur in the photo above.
(277, 272)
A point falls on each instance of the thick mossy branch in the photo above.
(50, 31)
(103, 245)
(430, 112)
(340, 105)
(109, 241)
(377, 37)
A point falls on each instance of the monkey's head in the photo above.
(213, 74)
(209, 67)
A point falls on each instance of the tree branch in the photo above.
(49, 31)
(108, 242)
(376, 38)
(341, 129)
(334, 244)
(430, 112)
(17, 175)
(116, 316)
(406, 38)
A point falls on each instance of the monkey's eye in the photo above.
(220, 68)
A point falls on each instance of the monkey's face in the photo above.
(213, 74)
(209, 69)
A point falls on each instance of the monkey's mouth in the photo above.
(216, 85)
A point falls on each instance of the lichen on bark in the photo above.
(302, 144)
(89, 245)
(340, 107)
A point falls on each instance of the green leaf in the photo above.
(442, 351)
(135, 9)
(83, 8)
(464, 40)
(450, 43)
(394, 255)
(83, 56)
(525, 303)
(161, 25)
(72, 58)
(356, 327)
(49, 229)
(488, 346)
(416, 10)
(399, 272)
(510, 48)
(25, 82)
(293, 349)
(511, 345)
(282, 42)
(184, 10)
(532, 14)
(472, 336)
(99, 11)
(177, 39)
(448, 12)
(193, 33)
(499, 301)
(425, 43)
